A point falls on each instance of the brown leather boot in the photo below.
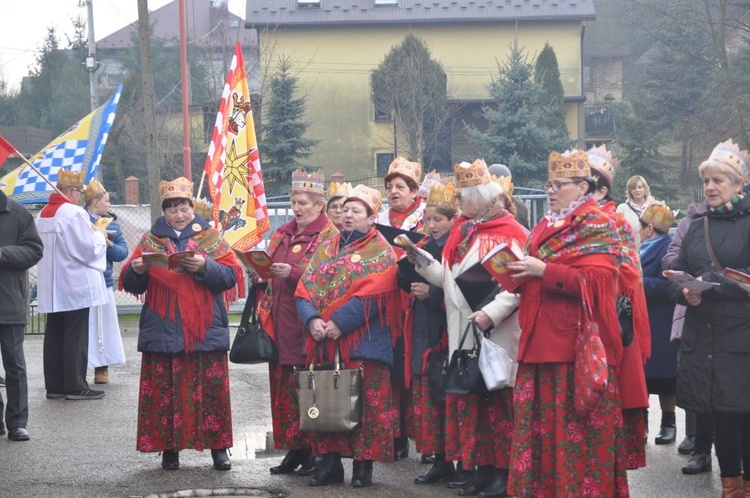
(101, 375)
(731, 487)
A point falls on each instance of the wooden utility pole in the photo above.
(149, 103)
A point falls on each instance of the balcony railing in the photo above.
(600, 122)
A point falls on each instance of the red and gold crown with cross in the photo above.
(569, 164)
(470, 175)
(602, 162)
(179, 188)
(336, 189)
(442, 196)
(68, 179)
(405, 168)
(370, 196)
(304, 182)
(729, 154)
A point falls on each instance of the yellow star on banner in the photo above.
(235, 168)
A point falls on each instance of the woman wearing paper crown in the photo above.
(478, 427)
(291, 247)
(714, 368)
(184, 330)
(337, 194)
(425, 336)
(348, 298)
(405, 211)
(661, 368)
(630, 375)
(105, 342)
(568, 414)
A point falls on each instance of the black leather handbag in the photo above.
(252, 344)
(625, 317)
(463, 375)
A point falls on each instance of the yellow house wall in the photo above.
(334, 64)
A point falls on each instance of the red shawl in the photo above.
(365, 268)
(55, 201)
(630, 281)
(589, 232)
(397, 218)
(193, 300)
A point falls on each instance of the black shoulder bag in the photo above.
(252, 344)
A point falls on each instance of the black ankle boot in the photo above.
(482, 478)
(292, 460)
(361, 473)
(429, 459)
(331, 471)
(461, 478)
(440, 471)
(170, 460)
(668, 432)
(221, 459)
(498, 488)
(310, 467)
(400, 448)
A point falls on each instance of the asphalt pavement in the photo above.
(87, 449)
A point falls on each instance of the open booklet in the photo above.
(257, 261)
(495, 260)
(739, 278)
(688, 281)
(173, 261)
(103, 222)
(424, 258)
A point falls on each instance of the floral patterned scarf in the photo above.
(366, 269)
(410, 218)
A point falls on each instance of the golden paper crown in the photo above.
(729, 154)
(469, 175)
(93, 189)
(602, 162)
(179, 188)
(430, 179)
(336, 189)
(369, 196)
(443, 196)
(659, 215)
(405, 168)
(504, 183)
(304, 182)
(68, 179)
(569, 164)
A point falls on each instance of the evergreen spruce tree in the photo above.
(552, 96)
(283, 144)
(519, 134)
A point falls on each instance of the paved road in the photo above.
(87, 449)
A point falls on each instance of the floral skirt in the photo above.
(478, 428)
(426, 418)
(557, 452)
(373, 438)
(634, 425)
(285, 408)
(184, 402)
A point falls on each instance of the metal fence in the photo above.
(135, 220)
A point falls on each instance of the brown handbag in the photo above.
(329, 400)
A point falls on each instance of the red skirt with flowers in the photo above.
(184, 402)
(478, 428)
(373, 438)
(285, 408)
(402, 402)
(426, 418)
(634, 425)
(557, 452)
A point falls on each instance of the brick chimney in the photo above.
(131, 190)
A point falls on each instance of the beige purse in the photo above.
(329, 400)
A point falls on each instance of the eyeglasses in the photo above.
(556, 185)
(336, 208)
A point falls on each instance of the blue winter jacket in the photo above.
(159, 335)
(117, 252)
(376, 344)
